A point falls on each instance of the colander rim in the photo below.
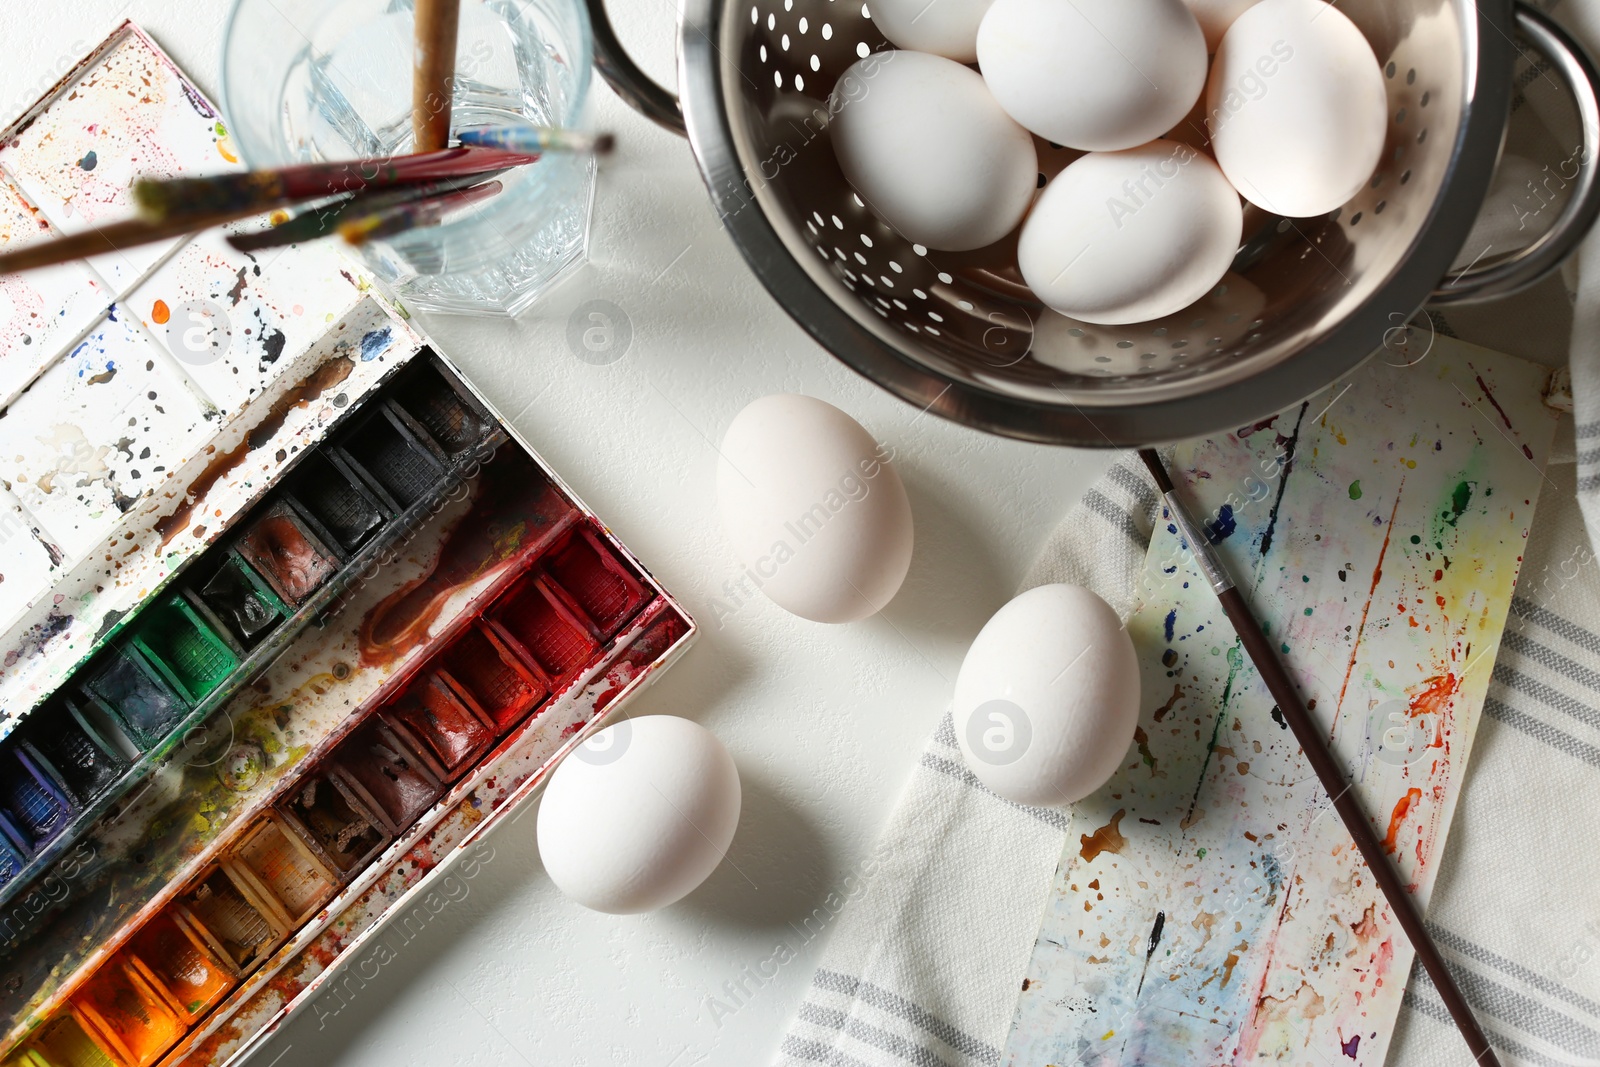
(1489, 53)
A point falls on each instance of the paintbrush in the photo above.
(258, 191)
(538, 139)
(433, 77)
(413, 214)
(114, 238)
(323, 220)
(1323, 762)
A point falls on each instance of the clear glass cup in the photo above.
(312, 80)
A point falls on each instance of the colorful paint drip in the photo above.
(1210, 907)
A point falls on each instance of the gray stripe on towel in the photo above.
(1589, 429)
(868, 1034)
(1475, 951)
(894, 1004)
(1556, 624)
(1129, 481)
(1053, 819)
(816, 1052)
(946, 733)
(1552, 698)
(1527, 1014)
(1436, 1011)
(1106, 508)
(1552, 660)
(1542, 731)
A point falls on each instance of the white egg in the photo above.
(1096, 75)
(814, 509)
(1048, 697)
(1216, 321)
(946, 28)
(1122, 237)
(1216, 16)
(929, 150)
(1297, 107)
(639, 814)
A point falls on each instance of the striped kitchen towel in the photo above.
(923, 967)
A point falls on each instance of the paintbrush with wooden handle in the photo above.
(1323, 763)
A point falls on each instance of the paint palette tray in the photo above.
(278, 664)
(537, 622)
(228, 612)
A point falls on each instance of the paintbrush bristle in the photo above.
(604, 144)
(1158, 470)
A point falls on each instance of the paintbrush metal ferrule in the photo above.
(537, 139)
(1204, 554)
(263, 190)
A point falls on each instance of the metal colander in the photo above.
(960, 334)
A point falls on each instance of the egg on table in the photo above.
(929, 150)
(1048, 697)
(639, 814)
(1096, 75)
(1297, 107)
(1123, 237)
(946, 28)
(814, 509)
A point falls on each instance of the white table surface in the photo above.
(824, 722)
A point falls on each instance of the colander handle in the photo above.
(1529, 265)
(637, 89)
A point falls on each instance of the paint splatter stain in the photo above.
(1460, 498)
(1142, 740)
(1224, 526)
(1106, 839)
(160, 314)
(1172, 621)
(374, 344)
(1161, 712)
(272, 342)
(89, 161)
(1412, 798)
(1355, 489)
(1349, 1047)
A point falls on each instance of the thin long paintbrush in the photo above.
(538, 139)
(258, 191)
(398, 218)
(322, 220)
(114, 238)
(1328, 771)
(433, 78)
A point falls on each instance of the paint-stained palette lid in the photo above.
(150, 395)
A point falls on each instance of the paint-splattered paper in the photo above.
(1209, 907)
(141, 388)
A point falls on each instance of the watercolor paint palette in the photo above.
(230, 610)
(310, 626)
